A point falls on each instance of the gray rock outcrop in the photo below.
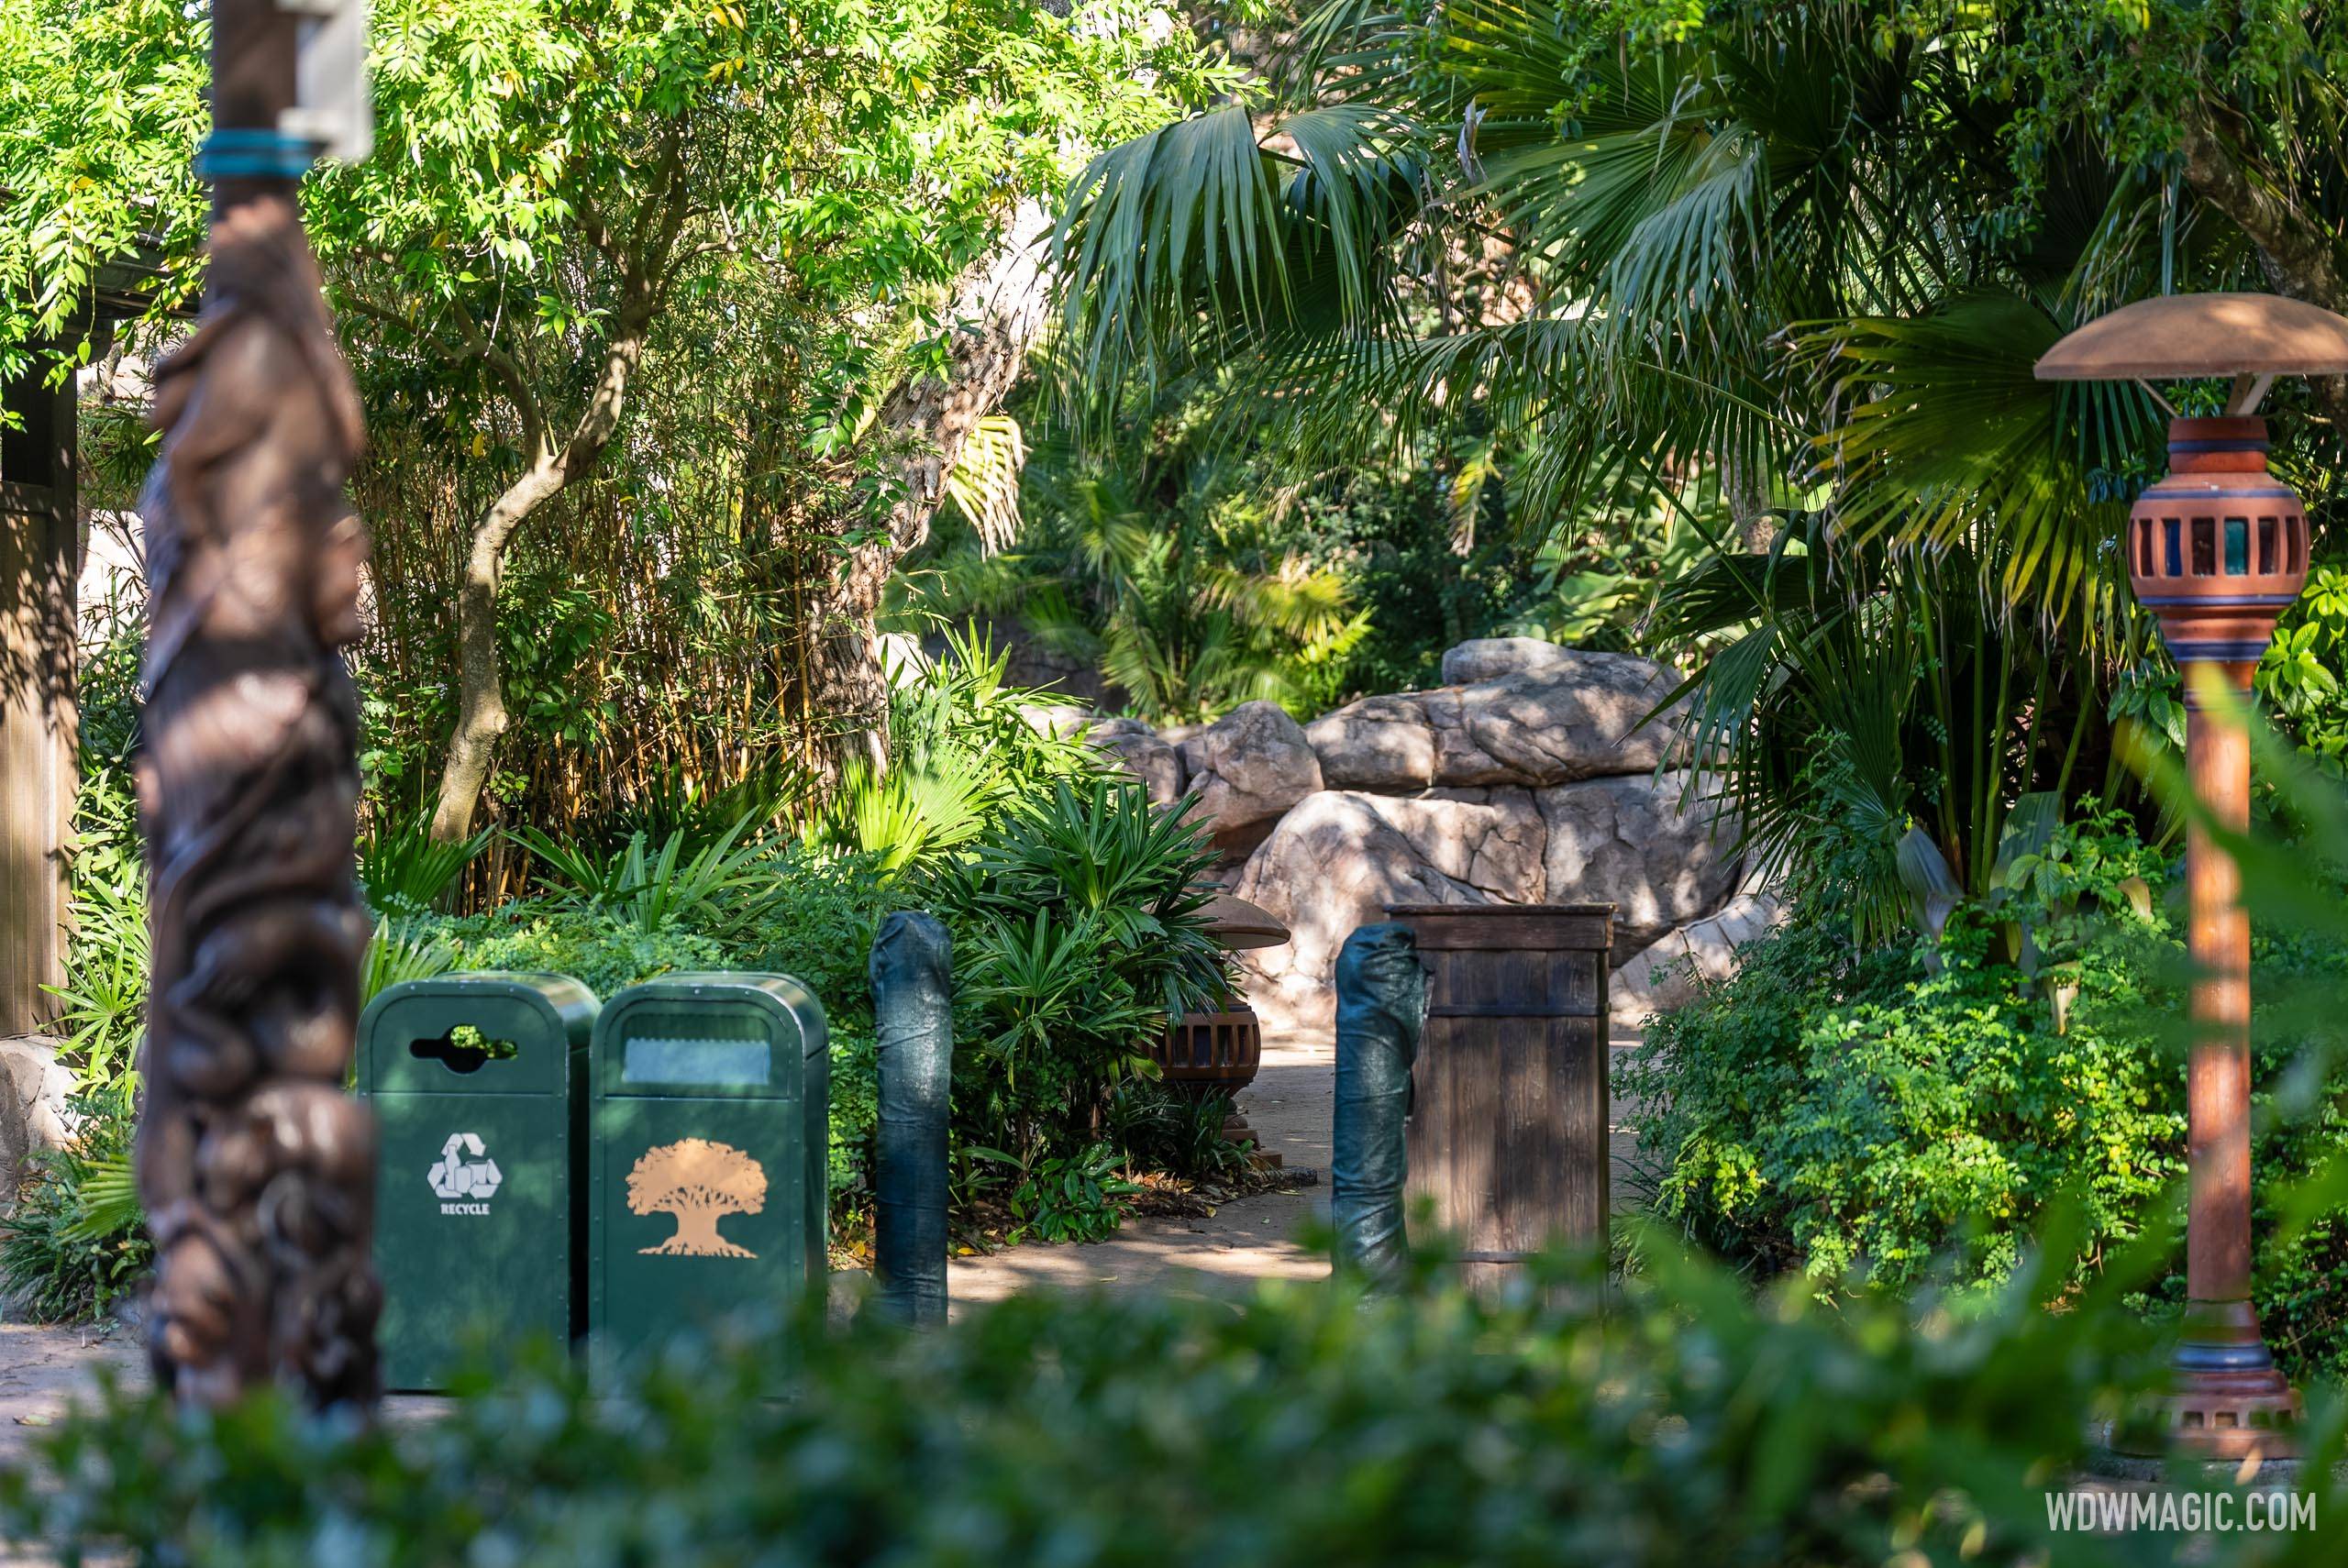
(1630, 842)
(1535, 774)
(1333, 863)
(1143, 753)
(1573, 715)
(1338, 858)
(1250, 767)
(33, 1116)
(1669, 972)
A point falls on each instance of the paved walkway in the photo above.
(1289, 1106)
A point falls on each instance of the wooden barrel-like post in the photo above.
(1508, 1128)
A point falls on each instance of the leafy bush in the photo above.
(1166, 1127)
(1828, 1109)
(2303, 674)
(1692, 1424)
(1079, 932)
(1895, 1124)
(69, 1257)
(403, 869)
(964, 754)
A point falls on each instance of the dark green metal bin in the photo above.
(478, 1084)
(712, 1112)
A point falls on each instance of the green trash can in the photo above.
(712, 1118)
(478, 1086)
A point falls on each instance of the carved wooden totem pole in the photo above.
(255, 1166)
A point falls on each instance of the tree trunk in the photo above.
(1747, 495)
(1006, 299)
(2296, 249)
(482, 717)
(480, 689)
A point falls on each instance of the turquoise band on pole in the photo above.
(246, 154)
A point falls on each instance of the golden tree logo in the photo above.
(700, 1182)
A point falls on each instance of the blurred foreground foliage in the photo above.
(1693, 1422)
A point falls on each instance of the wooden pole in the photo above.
(2218, 1074)
(256, 1168)
(2228, 1399)
(39, 721)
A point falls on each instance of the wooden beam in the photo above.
(40, 565)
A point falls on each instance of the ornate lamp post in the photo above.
(2217, 550)
(256, 1168)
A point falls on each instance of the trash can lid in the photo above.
(542, 1018)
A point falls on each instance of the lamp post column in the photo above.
(2217, 550)
(254, 1167)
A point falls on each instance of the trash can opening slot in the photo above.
(463, 1049)
(697, 1058)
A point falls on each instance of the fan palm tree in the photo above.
(1784, 259)
(1676, 223)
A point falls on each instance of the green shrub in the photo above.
(1159, 1126)
(1829, 1110)
(1080, 929)
(1904, 1122)
(67, 1259)
(1693, 1424)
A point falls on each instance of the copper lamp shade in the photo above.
(2178, 336)
(1238, 925)
(2217, 550)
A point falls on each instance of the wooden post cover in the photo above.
(1507, 1127)
(39, 557)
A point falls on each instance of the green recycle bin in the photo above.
(476, 1084)
(712, 1118)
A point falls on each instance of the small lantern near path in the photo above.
(2217, 551)
(1220, 1052)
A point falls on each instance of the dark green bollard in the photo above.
(913, 1004)
(477, 1082)
(712, 1118)
(1381, 1008)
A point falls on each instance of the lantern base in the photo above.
(2228, 1399)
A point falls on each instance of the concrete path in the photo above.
(1290, 1106)
(1249, 1239)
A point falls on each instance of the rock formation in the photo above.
(1536, 775)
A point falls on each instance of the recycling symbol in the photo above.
(463, 1170)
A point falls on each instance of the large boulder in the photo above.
(1248, 767)
(1628, 841)
(34, 1087)
(1489, 658)
(1491, 840)
(1376, 742)
(1670, 972)
(1142, 753)
(1579, 718)
(1333, 863)
(1553, 718)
